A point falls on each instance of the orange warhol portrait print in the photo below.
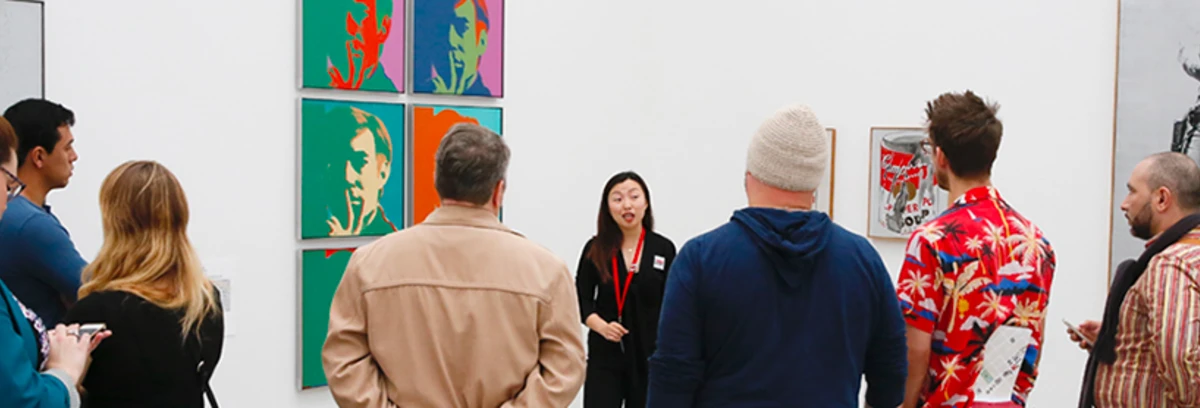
(430, 124)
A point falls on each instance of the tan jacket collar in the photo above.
(458, 215)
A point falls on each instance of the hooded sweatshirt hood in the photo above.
(791, 240)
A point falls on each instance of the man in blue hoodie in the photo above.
(780, 307)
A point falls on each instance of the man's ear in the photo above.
(37, 157)
(939, 159)
(498, 193)
(1162, 199)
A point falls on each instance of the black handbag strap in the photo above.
(203, 371)
(204, 374)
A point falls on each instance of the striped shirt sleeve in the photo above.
(1175, 323)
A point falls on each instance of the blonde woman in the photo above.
(147, 285)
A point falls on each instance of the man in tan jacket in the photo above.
(458, 311)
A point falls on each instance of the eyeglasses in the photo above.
(926, 146)
(15, 186)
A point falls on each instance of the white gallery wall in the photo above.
(670, 88)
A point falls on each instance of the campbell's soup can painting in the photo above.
(907, 182)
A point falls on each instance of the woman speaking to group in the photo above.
(621, 277)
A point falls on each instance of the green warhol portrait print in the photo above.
(352, 168)
(353, 45)
(321, 271)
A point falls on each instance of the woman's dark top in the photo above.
(643, 303)
(145, 363)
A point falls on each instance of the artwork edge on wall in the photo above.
(1112, 169)
(1157, 66)
(830, 176)
(41, 48)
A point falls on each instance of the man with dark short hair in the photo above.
(458, 311)
(1146, 352)
(976, 279)
(38, 260)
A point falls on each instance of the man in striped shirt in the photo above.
(1157, 336)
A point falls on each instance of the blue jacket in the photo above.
(21, 385)
(778, 309)
(38, 261)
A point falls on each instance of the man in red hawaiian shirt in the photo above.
(979, 272)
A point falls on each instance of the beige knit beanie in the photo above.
(790, 151)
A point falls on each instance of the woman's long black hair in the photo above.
(608, 237)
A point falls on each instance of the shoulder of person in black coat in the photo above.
(666, 248)
(666, 242)
(587, 246)
(585, 262)
(98, 306)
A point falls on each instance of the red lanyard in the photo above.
(622, 295)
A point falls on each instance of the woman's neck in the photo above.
(631, 236)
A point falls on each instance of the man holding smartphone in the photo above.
(1147, 340)
(1083, 334)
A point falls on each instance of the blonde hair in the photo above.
(146, 251)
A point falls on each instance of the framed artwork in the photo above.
(823, 199)
(430, 124)
(320, 273)
(22, 51)
(903, 190)
(353, 45)
(458, 47)
(352, 168)
(1157, 105)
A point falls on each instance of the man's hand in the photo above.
(1090, 329)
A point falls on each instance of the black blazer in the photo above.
(145, 363)
(598, 296)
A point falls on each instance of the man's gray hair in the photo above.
(469, 162)
(1179, 174)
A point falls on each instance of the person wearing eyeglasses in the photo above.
(975, 281)
(39, 262)
(40, 368)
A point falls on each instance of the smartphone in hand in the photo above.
(1075, 329)
(91, 328)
